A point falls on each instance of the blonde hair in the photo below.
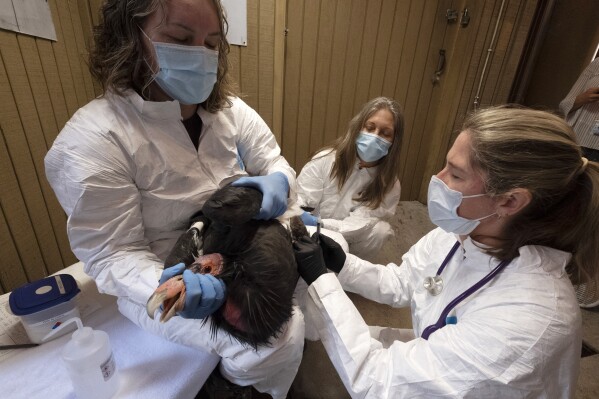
(116, 59)
(346, 152)
(517, 147)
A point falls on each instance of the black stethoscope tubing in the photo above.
(442, 319)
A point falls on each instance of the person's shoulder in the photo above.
(542, 259)
(326, 155)
(238, 105)
(237, 111)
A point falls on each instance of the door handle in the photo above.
(440, 67)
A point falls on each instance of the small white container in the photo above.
(89, 361)
(45, 304)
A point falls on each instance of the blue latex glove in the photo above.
(274, 188)
(204, 295)
(171, 272)
(309, 219)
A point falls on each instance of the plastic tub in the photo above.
(45, 304)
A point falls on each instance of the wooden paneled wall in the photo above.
(42, 83)
(342, 53)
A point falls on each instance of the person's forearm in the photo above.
(578, 102)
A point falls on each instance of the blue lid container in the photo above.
(43, 294)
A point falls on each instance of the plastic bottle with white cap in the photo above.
(89, 361)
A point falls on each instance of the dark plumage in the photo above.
(259, 264)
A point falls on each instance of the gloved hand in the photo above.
(309, 219)
(334, 256)
(274, 188)
(204, 294)
(308, 256)
(171, 272)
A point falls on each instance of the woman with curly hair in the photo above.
(131, 167)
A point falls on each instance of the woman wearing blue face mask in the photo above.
(131, 167)
(353, 184)
(493, 307)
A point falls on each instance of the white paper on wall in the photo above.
(31, 17)
(236, 11)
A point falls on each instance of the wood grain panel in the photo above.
(20, 189)
(67, 83)
(235, 66)
(365, 60)
(352, 55)
(12, 272)
(292, 80)
(266, 50)
(395, 56)
(279, 68)
(341, 30)
(322, 76)
(68, 37)
(384, 40)
(40, 138)
(80, 50)
(29, 148)
(307, 79)
(53, 83)
(249, 58)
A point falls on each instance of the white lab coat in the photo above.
(517, 337)
(364, 229)
(129, 178)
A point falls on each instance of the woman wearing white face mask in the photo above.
(493, 308)
(131, 167)
(353, 184)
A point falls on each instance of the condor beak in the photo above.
(170, 295)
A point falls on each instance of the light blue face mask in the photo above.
(443, 204)
(371, 147)
(187, 73)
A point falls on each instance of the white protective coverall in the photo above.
(129, 178)
(362, 227)
(517, 337)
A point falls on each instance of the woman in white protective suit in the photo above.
(493, 309)
(353, 184)
(131, 167)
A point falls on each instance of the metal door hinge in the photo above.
(451, 15)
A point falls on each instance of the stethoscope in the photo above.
(434, 285)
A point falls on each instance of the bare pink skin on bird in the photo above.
(171, 293)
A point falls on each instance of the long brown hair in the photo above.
(116, 59)
(517, 147)
(346, 152)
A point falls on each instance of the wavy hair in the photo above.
(516, 147)
(346, 152)
(116, 59)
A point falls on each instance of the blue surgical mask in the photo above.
(371, 147)
(187, 73)
(443, 204)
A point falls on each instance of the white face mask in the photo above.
(186, 73)
(443, 204)
(371, 147)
